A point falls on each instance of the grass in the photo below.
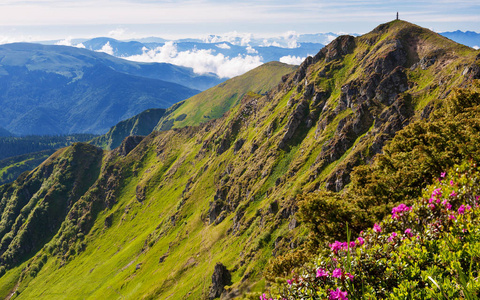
(214, 102)
(164, 246)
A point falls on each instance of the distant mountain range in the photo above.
(227, 55)
(468, 38)
(224, 56)
(48, 89)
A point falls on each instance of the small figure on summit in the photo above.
(397, 15)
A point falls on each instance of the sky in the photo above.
(30, 20)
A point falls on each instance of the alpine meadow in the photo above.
(352, 176)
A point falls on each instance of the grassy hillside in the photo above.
(208, 105)
(152, 223)
(141, 124)
(12, 167)
(214, 102)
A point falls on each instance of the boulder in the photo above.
(220, 278)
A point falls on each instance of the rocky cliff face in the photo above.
(162, 212)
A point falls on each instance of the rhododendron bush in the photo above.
(429, 248)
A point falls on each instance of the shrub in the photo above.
(429, 250)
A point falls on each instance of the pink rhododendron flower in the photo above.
(461, 209)
(452, 217)
(263, 297)
(432, 206)
(290, 281)
(437, 193)
(360, 241)
(392, 236)
(452, 183)
(337, 273)
(335, 247)
(408, 232)
(453, 194)
(350, 276)
(442, 175)
(338, 294)
(322, 273)
(377, 228)
(399, 210)
(352, 244)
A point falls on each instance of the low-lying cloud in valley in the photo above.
(292, 60)
(202, 61)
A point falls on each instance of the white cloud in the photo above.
(476, 47)
(234, 38)
(291, 39)
(68, 42)
(223, 46)
(107, 48)
(331, 37)
(65, 42)
(292, 60)
(251, 50)
(117, 33)
(267, 43)
(202, 61)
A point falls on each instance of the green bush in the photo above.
(430, 250)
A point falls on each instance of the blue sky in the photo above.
(54, 19)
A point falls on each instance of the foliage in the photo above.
(428, 250)
(418, 152)
(326, 215)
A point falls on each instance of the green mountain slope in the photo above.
(153, 222)
(141, 124)
(12, 167)
(210, 104)
(214, 102)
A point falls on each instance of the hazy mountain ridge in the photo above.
(62, 90)
(154, 221)
(469, 38)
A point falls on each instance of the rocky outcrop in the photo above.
(220, 278)
(128, 144)
(391, 85)
(296, 118)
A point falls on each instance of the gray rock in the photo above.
(220, 278)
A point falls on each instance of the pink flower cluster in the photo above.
(338, 294)
(263, 297)
(337, 246)
(462, 208)
(392, 236)
(337, 273)
(399, 210)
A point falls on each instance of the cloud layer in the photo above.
(202, 61)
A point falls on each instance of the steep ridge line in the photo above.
(225, 191)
